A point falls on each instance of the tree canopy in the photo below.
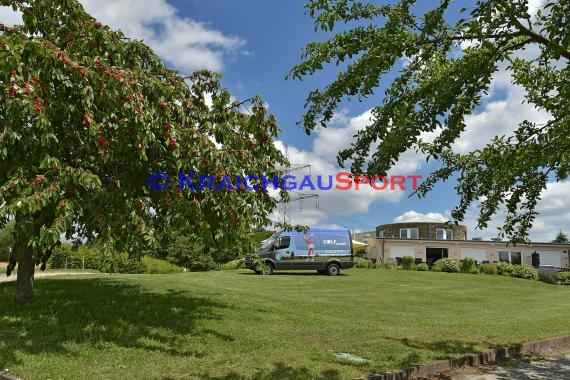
(450, 64)
(87, 114)
(561, 237)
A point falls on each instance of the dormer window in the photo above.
(443, 234)
(409, 233)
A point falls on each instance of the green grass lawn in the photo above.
(234, 324)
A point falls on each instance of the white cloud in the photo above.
(419, 216)
(9, 17)
(184, 43)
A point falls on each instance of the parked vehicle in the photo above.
(324, 249)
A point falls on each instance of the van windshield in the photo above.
(269, 242)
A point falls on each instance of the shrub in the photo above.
(123, 264)
(232, 265)
(185, 252)
(422, 267)
(446, 265)
(504, 268)
(547, 277)
(525, 271)
(562, 278)
(84, 257)
(157, 266)
(407, 262)
(467, 264)
(363, 263)
(389, 265)
(474, 270)
(488, 269)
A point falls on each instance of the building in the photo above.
(428, 240)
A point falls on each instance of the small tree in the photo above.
(561, 237)
(86, 115)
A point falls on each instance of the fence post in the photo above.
(82, 262)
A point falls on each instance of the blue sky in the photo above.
(254, 44)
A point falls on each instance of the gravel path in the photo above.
(3, 277)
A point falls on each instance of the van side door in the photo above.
(282, 252)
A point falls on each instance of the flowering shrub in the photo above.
(446, 265)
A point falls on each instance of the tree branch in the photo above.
(540, 39)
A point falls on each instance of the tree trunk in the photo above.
(26, 269)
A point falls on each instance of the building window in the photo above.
(513, 257)
(443, 234)
(409, 233)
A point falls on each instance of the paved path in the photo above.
(555, 367)
(3, 277)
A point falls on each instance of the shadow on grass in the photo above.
(103, 311)
(280, 371)
(445, 349)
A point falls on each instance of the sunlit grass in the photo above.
(234, 324)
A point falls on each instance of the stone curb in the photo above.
(484, 357)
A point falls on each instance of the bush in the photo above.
(232, 265)
(156, 266)
(121, 263)
(504, 268)
(389, 265)
(422, 267)
(562, 278)
(547, 277)
(467, 264)
(84, 257)
(186, 252)
(488, 269)
(474, 270)
(446, 265)
(407, 262)
(525, 271)
(363, 263)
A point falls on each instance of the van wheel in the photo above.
(269, 268)
(333, 269)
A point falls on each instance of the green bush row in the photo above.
(232, 265)
(559, 278)
(84, 257)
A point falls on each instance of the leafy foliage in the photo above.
(422, 267)
(407, 262)
(187, 251)
(561, 237)
(232, 265)
(6, 241)
(488, 269)
(504, 268)
(446, 265)
(525, 271)
(562, 278)
(364, 263)
(467, 264)
(449, 68)
(87, 115)
(83, 257)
